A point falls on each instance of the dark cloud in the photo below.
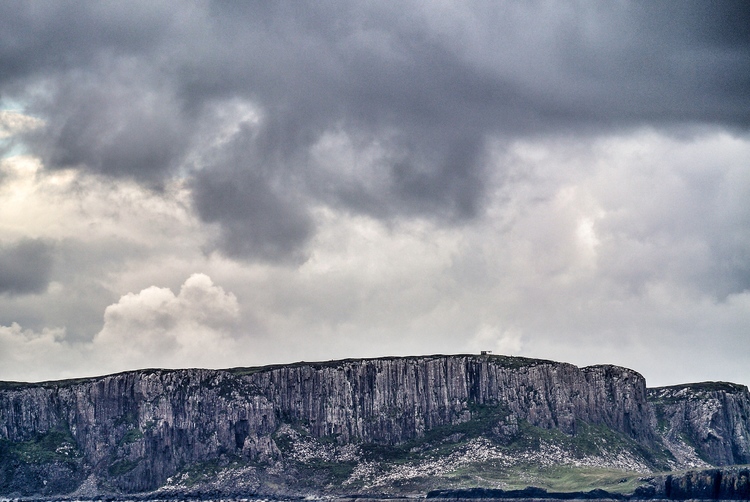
(665, 62)
(257, 209)
(130, 91)
(44, 38)
(25, 267)
(255, 221)
(112, 126)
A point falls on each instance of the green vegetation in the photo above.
(129, 419)
(668, 395)
(515, 362)
(49, 384)
(122, 467)
(558, 478)
(15, 385)
(708, 387)
(284, 442)
(202, 472)
(505, 361)
(300, 364)
(569, 478)
(55, 445)
(662, 424)
(132, 436)
(440, 440)
(334, 472)
(589, 440)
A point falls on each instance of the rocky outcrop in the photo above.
(709, 484)
(711, 419)
(318, 426)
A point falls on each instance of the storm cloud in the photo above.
(358, 171)
(131, 93)
(25, 267)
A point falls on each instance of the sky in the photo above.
(220, 184)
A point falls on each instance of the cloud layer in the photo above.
(562, 181)
(426, 89)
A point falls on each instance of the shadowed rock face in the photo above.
(132, 431)
(709, 484)
(712, 417)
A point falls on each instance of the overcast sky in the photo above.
(218, 184)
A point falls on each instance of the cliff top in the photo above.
(695, 390)
(498, 359)
(506, 361)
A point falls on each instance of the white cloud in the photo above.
(12, 123)
(158, 328)
(45, 355)
(107, 238)
(497, 340)
(152, 328)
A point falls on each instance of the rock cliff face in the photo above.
(710, 419)
(709, 484)
(141, 430)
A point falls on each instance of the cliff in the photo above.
(352, 426)
(708, 422)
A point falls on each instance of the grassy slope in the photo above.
(442, 459)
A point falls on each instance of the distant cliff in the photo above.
(712, 419)
(352, 426)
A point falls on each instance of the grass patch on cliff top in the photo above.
(56, 384)
(515, 362)
(14, 385)
(501, 360)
